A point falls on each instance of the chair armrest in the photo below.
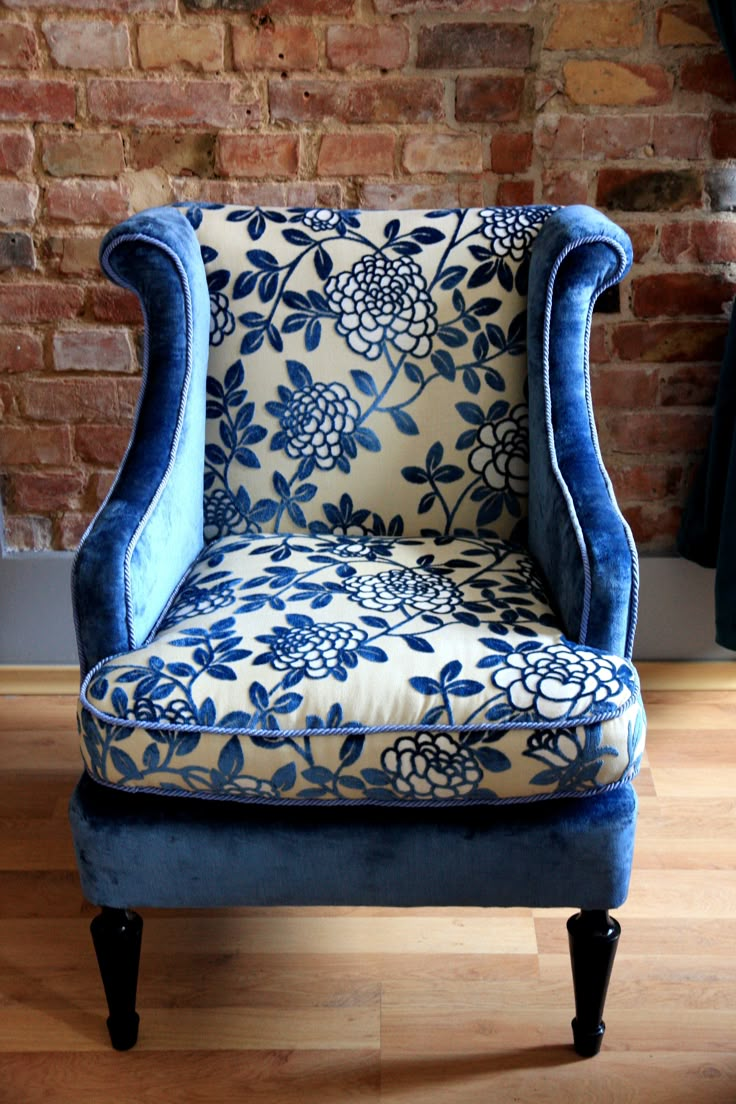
(150, 526)
(576, 531)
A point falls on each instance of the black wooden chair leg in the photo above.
(593, 939)
(116, 934)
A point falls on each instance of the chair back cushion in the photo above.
(367, 370)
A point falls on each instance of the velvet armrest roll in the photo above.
(576, 531)
(150, 527)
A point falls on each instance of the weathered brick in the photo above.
(99, 486)
(21, 446)
(170, 103)
(720, 187)
(408, 196)
(596, 26)
(723, 136)
(617, 136)
(681, 293)
(559, 136)
(39, 302)
(43, 101)
(87, 43)
(382, 100)
(711, 74)
(69, 529)
(681, 137)
(647, 481)
(185, 154)
(27, 534)
(510, 152)
(622, 386)
(20, 351)
(669, 342)
(357, 154)
(16, 250)
(18, 46)
(313, 193)
(83, 154)
(274, 47)
(101, 444)
(45, 491)
(643, 190)
(685, 25)
(515, 193)
(114, 304)
(474, 46)
(73, 400)
(709, 242)
(147, 188)
(263, 12)
(117, 7)
(654, 528)
(660, 431)
(78, 256)
(446, 153)
(18, 202)
(16, 150)
(487, 99)
(261, 155)
(473, 7)
(606, 83)
(128, 391)
(93, 201)
(92, 349)
(689, 385)
(643, 237)
(565, 186)
(200, 47)
(381, 46)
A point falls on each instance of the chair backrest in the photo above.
(367, 369)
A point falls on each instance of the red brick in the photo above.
(114, 304)
(99, 486)
(306, 7)
(685, 25)
(645, 190)
(660, 431)
(643, 237)
(44, 491)
(617, 136)
(92, 349)
(27, 534)
(72, 400)
(380, 46)
(474, 46)
(78, 256)
(313, 193)
(272, 47)
(445, 153)
(710, 242)
(559, 136)
(621, 386)
(515, 193)
(185, 154)
(710, 73)
(262, 155)
(18, 46)
(200, 47)
(489, 99)
(647, 481)
(407, 196)
(565, 186)
(511, 153)
(69, 529)
(681, 293)
(723, 136)
(102, 202)
(669, 342)
(18, 202)
(39, 101)
(87, 43)
(16, 150)
(101, 444)
(84, 154)
(39, 302)
(21, 446)
(382, 100)
(681, 137)
(170, 103)
(20, 351)
(357, 154)
(597, 347)
(472, 7)
(689, 385)
(596, 26)
(605, 83)
(117, 7)
(128, 390)
(654, 528)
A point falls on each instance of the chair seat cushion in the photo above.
(362, 669)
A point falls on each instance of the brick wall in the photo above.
(109, 106)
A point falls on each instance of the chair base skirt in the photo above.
(139, 850)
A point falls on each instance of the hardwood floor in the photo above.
(437, 1006)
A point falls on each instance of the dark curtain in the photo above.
(708, 530)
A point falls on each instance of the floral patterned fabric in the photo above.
(362, 668)
(370, 354)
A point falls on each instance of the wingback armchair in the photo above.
(355, 621)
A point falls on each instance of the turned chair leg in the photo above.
(116, 934)
(593, 937)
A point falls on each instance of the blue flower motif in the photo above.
(312, 650)
(502, 452)
(558, 682)
(431, 766)
(222, 320)
(511, 230)
(404, 586)
(381, 300)
(317, 423)
(321, 218)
